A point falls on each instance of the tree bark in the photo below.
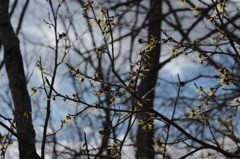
(144, 137)
(17, 83)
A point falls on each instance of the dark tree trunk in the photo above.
(17, 83)
(144, 137)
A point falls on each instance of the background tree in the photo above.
(149, 83)
(17, 83)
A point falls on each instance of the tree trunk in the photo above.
(144, 137)
(17, 83)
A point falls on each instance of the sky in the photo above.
(36, 39)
